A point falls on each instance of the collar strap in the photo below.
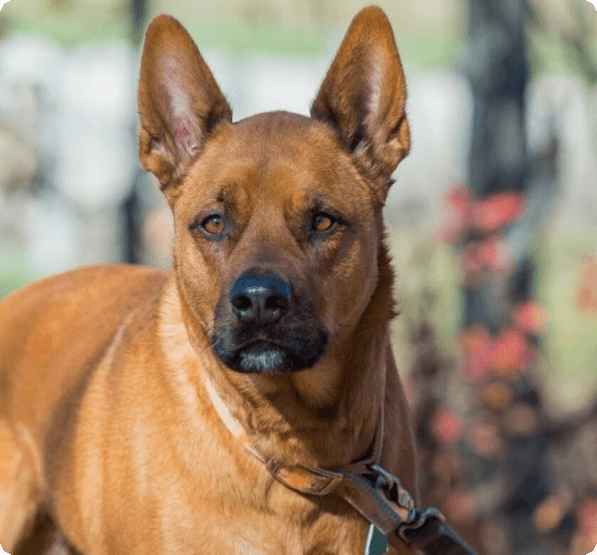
(373, 491)
(302, 478)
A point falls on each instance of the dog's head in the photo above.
(277, 217)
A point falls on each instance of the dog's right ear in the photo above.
(179, 101)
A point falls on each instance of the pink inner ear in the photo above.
(184, 138)
(180, 121)
(374, 78)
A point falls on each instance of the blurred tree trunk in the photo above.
(506, 475)
(131, 206)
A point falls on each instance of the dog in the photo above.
(140, 410)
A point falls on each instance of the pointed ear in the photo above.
(179, 101)
(363, 96)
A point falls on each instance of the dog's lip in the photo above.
(259, 343)
(260, 356)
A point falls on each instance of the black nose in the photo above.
(261, 300)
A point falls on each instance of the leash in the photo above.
(373, 491)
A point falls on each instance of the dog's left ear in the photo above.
(363, 96)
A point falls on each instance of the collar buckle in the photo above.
(314, 481)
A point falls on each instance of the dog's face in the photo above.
(277, 217)
(273, 220)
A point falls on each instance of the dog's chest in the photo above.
(262, 518)
(262, 533)
(237, 514)
(288, 524)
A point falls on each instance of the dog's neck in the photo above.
(326, 416)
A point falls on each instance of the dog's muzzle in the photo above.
(261, 325)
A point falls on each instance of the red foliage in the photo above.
(456, 214)
(448, 426)
(487, 216)
(497, 211)
(494, 254)
(511, 352)
(587, 286)
(529, 317)
(506, 354)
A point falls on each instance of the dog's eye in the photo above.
(213, 225)
(322, 222)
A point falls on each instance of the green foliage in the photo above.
(65, 26)
(14, 272)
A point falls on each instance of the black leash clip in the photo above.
(426, 530)
(390, 485)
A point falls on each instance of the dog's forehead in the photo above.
(280, 154)
(283, 135)
(280, 120)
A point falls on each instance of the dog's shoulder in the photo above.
(43, 319)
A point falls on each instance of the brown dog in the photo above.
(135, 405)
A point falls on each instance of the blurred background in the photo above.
(492, 219)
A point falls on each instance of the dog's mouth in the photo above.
(265, 356)
(259, 356)
(264, 326)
